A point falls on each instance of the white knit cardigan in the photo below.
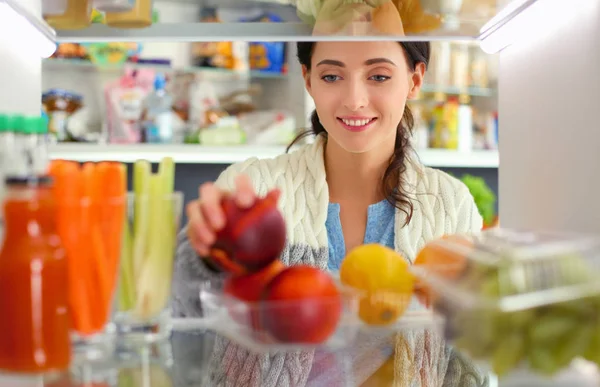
(442, 205)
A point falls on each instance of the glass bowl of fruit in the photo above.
(261, 303)
(516, 300)
(281, 308)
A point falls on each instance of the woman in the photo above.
(357, 183)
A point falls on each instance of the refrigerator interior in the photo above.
(548, 89)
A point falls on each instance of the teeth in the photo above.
(357, 122)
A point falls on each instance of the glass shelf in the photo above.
(190, 357)
(455, 90)
(414, 20)
(199, 154)
(59, 64)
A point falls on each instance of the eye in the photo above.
(330, 78)
(379, 78)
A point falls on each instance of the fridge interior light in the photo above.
(531, 20)
(18, 27)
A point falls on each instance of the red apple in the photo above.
(249, 288)
(252, 237)
(302, 304)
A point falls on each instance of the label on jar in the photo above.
(57, 124)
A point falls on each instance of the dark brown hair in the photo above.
(392, 182)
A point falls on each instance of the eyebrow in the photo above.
(368, 62)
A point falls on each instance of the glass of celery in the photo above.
(147, 256)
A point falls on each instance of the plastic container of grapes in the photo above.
(519, 301)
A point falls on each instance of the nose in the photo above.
(356, 95)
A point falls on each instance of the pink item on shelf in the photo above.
(124, 105)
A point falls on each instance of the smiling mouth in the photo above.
(360, 122)
(357, 124)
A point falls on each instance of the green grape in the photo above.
(477, 334)
(508, 354)
(575, 270)
(523, 318)
(541, 360)
(581, 307)
(573, 344)
(506, 284)
(508, 322)
(490, 287)
(551, 326)
(473, 347)
(592, 353)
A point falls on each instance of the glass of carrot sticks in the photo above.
(91, 207)
(148, 252)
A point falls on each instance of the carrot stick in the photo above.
(113, 178)
(91, 246)
(67, 193)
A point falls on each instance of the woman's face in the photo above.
(360, 91)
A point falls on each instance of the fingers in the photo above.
(210, 202)
(244, 195)
(199, 235)
(206, 216)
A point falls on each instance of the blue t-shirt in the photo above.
(380, 229)
(326, 370)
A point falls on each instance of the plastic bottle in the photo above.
(465, 124)
(33, 277)
(158, 120)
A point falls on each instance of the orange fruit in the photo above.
(445, 257)
(384, 279)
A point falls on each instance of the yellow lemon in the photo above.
(384, 277)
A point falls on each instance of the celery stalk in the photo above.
(142, 170)
(126, 278)
(149, 282)
(154, 283)
(166, 171)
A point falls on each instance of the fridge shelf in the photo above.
(199, 154)
(412, 20)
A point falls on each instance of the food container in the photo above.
(140, 16)
(60, 106)
(448, 9)
(517, 300)
(334, 325)
(54, 7)
(114, 5)
(76, 16)
(246, 323)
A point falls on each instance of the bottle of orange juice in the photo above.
(34, 330)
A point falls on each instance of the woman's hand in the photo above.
(206, 217)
